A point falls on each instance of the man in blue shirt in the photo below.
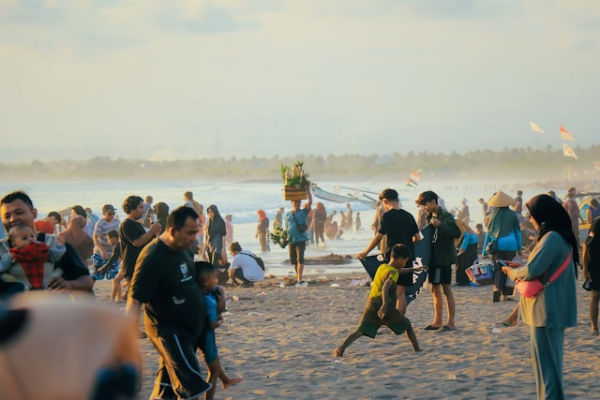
(295, 224)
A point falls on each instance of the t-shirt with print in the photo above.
(165, 280)
(384, 272)
(399, 226)
(101, 229)
(129, 231)
(292, 220)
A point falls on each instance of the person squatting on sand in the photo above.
(442, 257)
(68, 273)
(166, 281)
(380, 309)
(214, 303)
(554, 308)
(295, 224)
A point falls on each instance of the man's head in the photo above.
(54, 217)
(519, 193)
(149, 199)
(228, 218)
(112, 237)
(389, 198)
(479, 227)
(78, 210)
(182, 227)
(594, 203)
(296, 204)
(571, 192)
(428, 201)
(21, 235)
(481, 200)
(17, 208)
(235, 248)
(108, 212)
(188, 196)
(133, 206)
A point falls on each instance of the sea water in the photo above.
(241, 200)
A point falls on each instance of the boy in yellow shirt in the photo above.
(378, 310)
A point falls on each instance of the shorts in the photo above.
(178, 374)
(209, 346)
(110, 272)
(370, 321)
(440, 274)
(297, 252)
(239, 274)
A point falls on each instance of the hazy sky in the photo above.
(181, 79)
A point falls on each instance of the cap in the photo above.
(108, 208)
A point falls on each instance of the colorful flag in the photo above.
(568, 151)
(535, 127)
(565, 135)
(409, 183)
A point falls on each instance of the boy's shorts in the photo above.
(109, 272)
(370, 321)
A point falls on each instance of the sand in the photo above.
(281, 340)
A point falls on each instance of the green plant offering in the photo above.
(280, 237)
(294, 176)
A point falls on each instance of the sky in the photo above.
(168, 79)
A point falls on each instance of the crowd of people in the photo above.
(174, 262)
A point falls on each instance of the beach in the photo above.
(281, 340)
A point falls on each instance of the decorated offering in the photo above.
(295, 181)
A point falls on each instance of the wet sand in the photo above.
(281, 340)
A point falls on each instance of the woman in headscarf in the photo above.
(319, 223)
(76, 236)
(502, 241)
(555, 307)
(591, 271)
(262, 231)
(215, 237)
(467, 251)
(161, 210)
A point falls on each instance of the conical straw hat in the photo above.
(501, 199)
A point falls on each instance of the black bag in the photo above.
(587, 285)
(301, 227)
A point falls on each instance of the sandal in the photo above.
(431, 328)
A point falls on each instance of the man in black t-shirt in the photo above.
(133, 235)
(17, 208)
(397, 225)
(165, 279)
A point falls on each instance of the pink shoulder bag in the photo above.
(534, 287)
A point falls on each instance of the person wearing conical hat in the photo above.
(502, 241)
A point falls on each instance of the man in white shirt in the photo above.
(244, 265)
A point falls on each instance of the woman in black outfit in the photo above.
(215, 237)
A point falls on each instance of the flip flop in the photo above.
(502, 325)
(446, 328)
(431, 328)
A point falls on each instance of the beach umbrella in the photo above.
(568, 151)
(565, 135)
(535, 127)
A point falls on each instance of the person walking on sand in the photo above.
(397, 226)
(554, 308)
(295, 224)
(572, 209)
(262, 231)
(278, 221)
(442, 257)
(319, 223)
(502, 241)
(380, 308)
(591, 271)
(175, 318)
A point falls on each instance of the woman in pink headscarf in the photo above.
(262, 231)
(76, 236)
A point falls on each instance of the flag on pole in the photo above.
(565, 135)
(568, 151)
(535, 127)
(409, 183)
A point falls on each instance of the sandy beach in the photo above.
(281, 340)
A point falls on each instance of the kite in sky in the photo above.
(565, 135)
(568, 151)
(535, 127)
(413, 179)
